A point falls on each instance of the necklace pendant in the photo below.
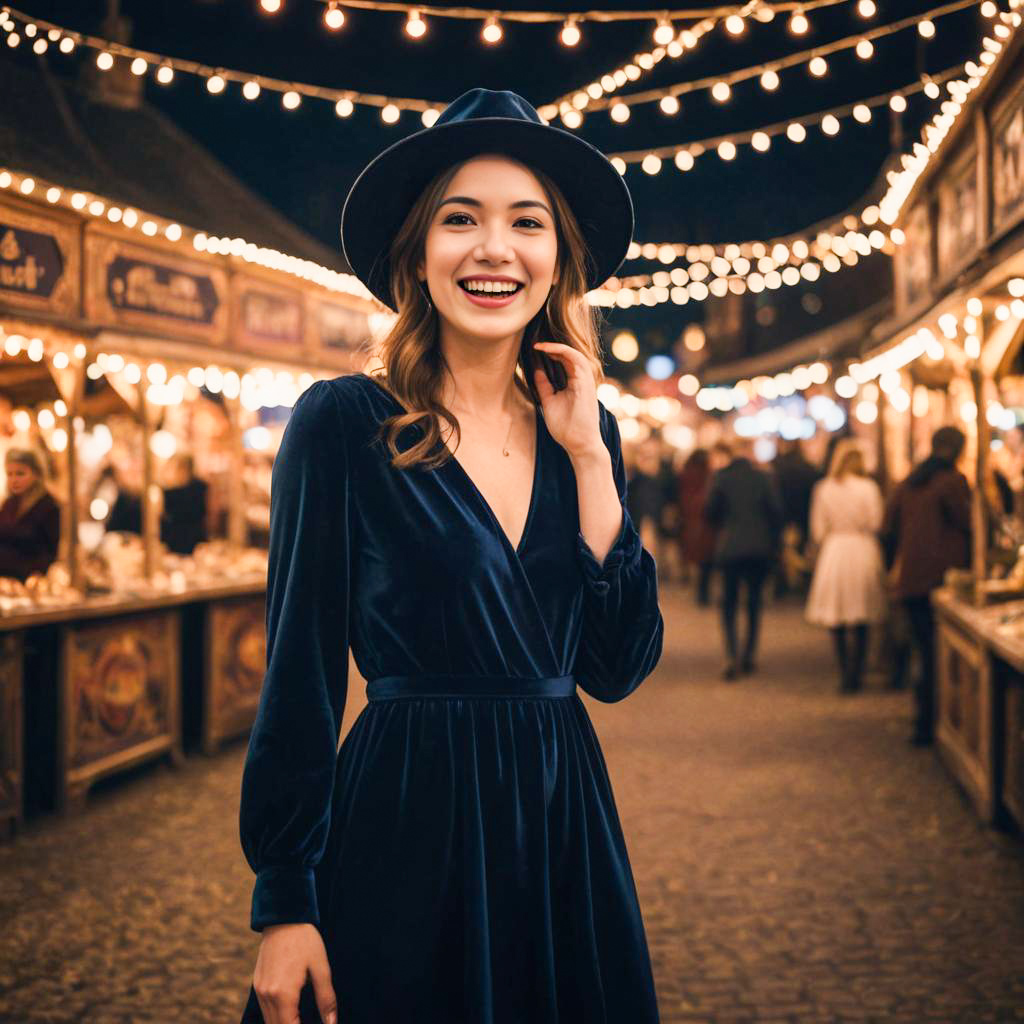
(504, 451)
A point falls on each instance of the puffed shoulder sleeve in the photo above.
(621, 639)
(288, 776)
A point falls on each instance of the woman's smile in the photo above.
(491, 292)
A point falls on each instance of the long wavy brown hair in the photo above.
(411, 354)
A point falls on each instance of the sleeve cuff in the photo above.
(284, 895)
(624, 553)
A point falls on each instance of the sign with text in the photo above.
(39, 261)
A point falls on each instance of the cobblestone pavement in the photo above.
(796, 861)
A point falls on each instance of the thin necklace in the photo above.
(504, 451)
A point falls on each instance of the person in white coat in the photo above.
(848, 587)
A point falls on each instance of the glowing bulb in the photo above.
(669, 105)
(866, 8)
(334, 16)
(726, 150)
(429, 117)
(796, 132)
(291, 99)
(684, 160)
(619, 113)
(67, 44)
(271, 6)
(651, 163)
(415, 27)
(760, 141)
(215, 83)
(926, 27)
(798, 23)
(344, 107)
(862, 113)
(390, 114)
(818, 67)
(830, 124)
(491, 32)
(104, 61)
(139, 66)
(572, 118)
(251, 90)
(721, 91)
(165, 74)
(898, 103)
(570, 34)
(770, 81)
(664, 33)
(865, 49)
(735, 25)
(932, 91)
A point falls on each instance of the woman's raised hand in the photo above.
(287, 954)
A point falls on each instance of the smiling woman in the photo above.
(461, 857)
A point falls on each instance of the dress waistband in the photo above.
(454, 687)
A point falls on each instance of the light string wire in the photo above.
(207, 71)
(686, 39)
(698, 147)
(783, 63)
(542, 17)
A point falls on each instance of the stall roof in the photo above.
(60, 131)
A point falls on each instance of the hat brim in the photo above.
(382, 195)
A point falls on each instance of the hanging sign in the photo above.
(38, 262)
(1008, 163)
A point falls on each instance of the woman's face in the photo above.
(19, 477)
(491, 250)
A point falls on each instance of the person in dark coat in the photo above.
(697, 535)
(795, 478)
(29, 518)
(927, 530)
(744, 507)
(183, 523)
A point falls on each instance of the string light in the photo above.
(866, 8)
(865, 49)
(818, 67)
(215, 84)
(926, 28)
(669, 105)
(798, 23)
(104, 61)
(491, 32)
(250, 90)
(664, 33)
(792, 60)
(721, 91)
(735, 25)
(570, 34)
(334, 16)
(860, 111)
(415, 26)
(271, 6)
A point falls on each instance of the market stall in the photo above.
(952, 352)
(152, 368)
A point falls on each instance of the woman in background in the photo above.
(29, 518)
(848, 588)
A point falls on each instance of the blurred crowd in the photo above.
(745, 533)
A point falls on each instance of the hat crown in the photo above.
(479, 103)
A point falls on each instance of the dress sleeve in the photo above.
(288, 776)
(621, 639)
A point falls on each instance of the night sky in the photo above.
(304, 161)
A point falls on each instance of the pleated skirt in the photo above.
(475, 870)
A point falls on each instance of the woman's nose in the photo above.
(495, 246)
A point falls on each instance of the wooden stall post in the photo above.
(979, 507)
(70, 383)
(150, 520)
(238, 530)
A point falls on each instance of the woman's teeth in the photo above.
(491, 287)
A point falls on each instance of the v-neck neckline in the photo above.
(516, 549)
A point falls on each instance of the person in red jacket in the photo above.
(29, 518)
(928, 530)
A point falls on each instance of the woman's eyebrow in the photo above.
(518, 205)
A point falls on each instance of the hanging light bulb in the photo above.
(818, 67)
(761, 141)
(865, 49)
(572, 118)
(669, 105)
(430, 116)
(735, 25)
(651, 163)
(664, 33)
(491, 32)
(251, 90)
(390, 113)
(721, 91)
(867, 8)
(344, 107)
(271, 6)
(931, 90)
(570, 34)
(415, 26)
(796, 132)
(798, 23)
(165, 74)
(291, 99)
(104, 61)
(898, 103)
(139, 66)
(334, 16)
(830, 124)
(862, 113)
(619, 113)
(926, 28)
(770, 81)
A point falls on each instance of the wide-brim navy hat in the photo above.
(484, 121)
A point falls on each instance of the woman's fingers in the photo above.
(326, 1001)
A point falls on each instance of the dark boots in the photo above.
(851, 643)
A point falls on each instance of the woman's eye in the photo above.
(450, 219)
(530, 222)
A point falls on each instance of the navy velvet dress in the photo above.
(461, 854)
